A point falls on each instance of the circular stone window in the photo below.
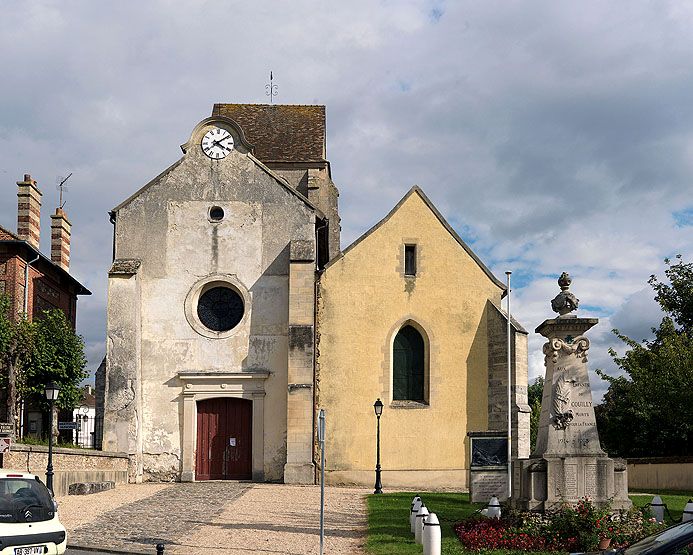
(220, 308)
(216, 213)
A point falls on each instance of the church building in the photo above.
(234, 316)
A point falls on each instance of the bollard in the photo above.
(494, 510)
(657, 508)
(431, 535)
(415, 506)
(418, 526)
(159, 549)
(687, 511)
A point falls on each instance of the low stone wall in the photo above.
(69, 465)
(661, 473)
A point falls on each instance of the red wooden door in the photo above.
(224, 439)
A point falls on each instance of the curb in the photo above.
(110, 551)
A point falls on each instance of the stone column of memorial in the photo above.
(568, 463)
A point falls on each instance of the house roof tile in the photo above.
(7, 235)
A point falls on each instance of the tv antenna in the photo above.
(271, 89)
(62, 187)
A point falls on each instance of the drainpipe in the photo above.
(26, 309)
(316, 290)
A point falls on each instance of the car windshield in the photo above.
(666, 536)
(24, 500)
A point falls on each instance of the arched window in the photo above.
(408, 358)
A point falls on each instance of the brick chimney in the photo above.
(29, 211)
(60, 239)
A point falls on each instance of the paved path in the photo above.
(215, 517)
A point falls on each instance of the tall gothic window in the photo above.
(408, 355)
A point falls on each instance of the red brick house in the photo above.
(33, 281)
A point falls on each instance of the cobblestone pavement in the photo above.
(163, 517)
(216, 517)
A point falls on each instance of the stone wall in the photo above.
(498, 378)
(661, 473)
(70, 465)
(169, 251)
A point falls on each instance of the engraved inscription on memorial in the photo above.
(571, 481)
(591, 480)
(487, 484)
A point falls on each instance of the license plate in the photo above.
(31, 550)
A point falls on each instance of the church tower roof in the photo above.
(280, 132)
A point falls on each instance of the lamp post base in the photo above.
(378, 483)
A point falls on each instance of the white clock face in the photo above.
(217, 143)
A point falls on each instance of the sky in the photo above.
(553, 136)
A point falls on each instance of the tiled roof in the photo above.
(7, 235)
(280, 132)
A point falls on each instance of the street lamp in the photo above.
(52, 390)
(378, 407)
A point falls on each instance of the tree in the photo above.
(16, 343)
(35, 353)
(534, 395)
(57, 355)
(676, 299)
(646, 411)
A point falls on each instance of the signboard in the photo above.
(6, 428)
(5, 443)
(68, 425)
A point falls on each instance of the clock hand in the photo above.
(221, 141)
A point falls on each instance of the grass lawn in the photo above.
(675, 500)
(388, 519)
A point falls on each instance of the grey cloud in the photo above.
(554, 135)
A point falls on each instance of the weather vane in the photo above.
(62, 187)
(271, 89)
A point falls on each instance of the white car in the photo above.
(29, 522)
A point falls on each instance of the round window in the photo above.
(220, 309)
(216, 213)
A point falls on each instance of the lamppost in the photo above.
(378, 407)
(52, 390)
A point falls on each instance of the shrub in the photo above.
(569, 528)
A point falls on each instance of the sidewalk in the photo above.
(216, 517)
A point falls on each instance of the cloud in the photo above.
(554, 136)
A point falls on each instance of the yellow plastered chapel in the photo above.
(365, 297)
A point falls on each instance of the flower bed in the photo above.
(570, 528)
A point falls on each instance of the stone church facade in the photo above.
(233, 316)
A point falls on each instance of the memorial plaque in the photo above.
(487, 483)
(591, 481)
(571, 481)
(489, 451)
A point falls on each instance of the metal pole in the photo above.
(49, 468)
(510, 421)
(321, 438)
(378, 483)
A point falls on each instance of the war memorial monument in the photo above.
(567, 463)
